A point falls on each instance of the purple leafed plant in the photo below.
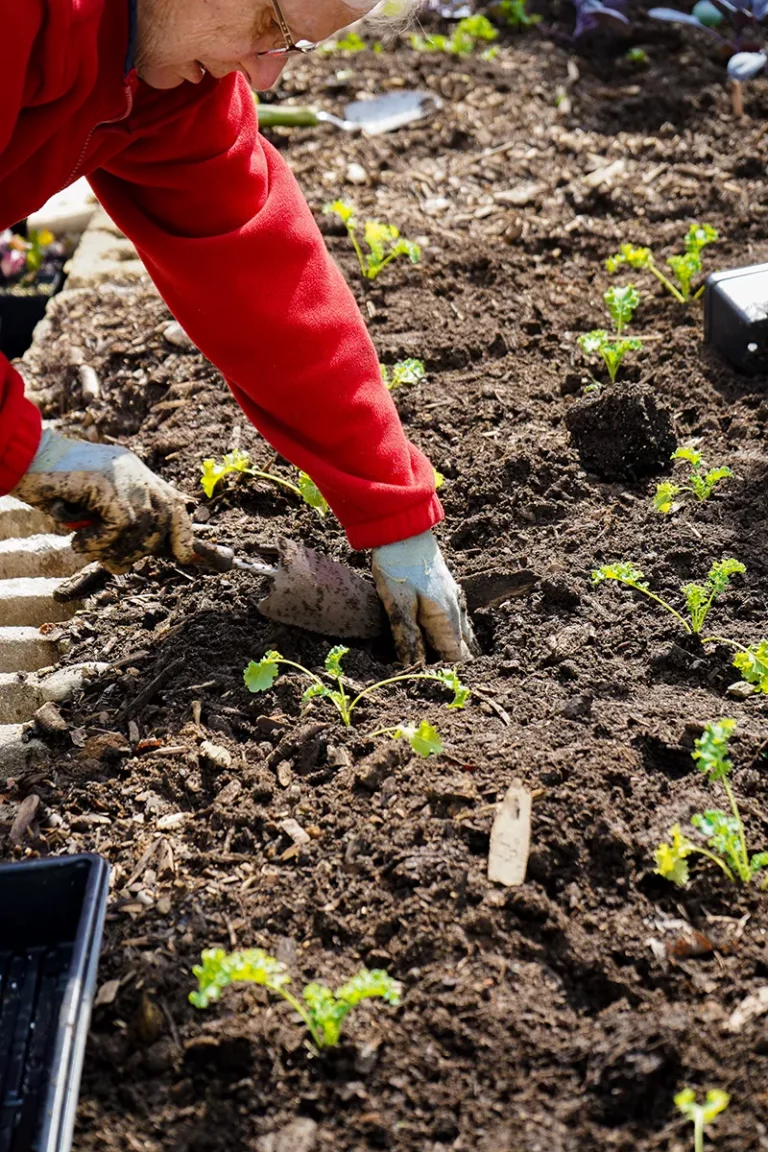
(591, 14)
(735, 24)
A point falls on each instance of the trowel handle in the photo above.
(214, 556)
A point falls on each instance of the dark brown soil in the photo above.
(563, 1015)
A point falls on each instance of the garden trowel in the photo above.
(314, 592)
(373, 117)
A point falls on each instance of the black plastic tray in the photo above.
(51, 919)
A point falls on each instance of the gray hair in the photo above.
(385, 15)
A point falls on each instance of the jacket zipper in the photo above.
(104, 124)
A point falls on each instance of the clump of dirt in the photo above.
(622, 432)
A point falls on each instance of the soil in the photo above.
(562, 1015)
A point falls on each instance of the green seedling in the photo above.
(613, 347)
(240, 462)
(323, 1011)
(349, 43)
(638, 57)
(424, 739)
(702, 481)
(685, 267)
(699, 598)
(384, 241)
(724, 832)
(261, 675)
(515, 16)
(715, 1102)
(410, 371)
(468, 33)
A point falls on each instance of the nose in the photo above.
(264, 70)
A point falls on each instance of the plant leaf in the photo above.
(624, 573)
(333, 660)
(711, 749)
(663, 501)
(220, 968)
(259, 677)
(671, 862)
(345, 211)
(753, 665)
(311, 494)
(424, 740)
(235, 461)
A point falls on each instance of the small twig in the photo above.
(503, 716)
(144, 697)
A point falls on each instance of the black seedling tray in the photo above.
(51, 919)
(736, 316)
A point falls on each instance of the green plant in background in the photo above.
(466, 36)
(410, 371)
(702, 481)
(637, 56)
(724, 831)
(685, 267)
(239, 462)
(260, 676)
(515, 15)
(715, 1102)
(384, 240)
(349, 43)
(612, 346)
(323, 1011)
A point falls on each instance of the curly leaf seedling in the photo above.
(261, 675)
(469, 32)
(410, 371)
(724, 832)
(323, 1011)
(239, 462)
(702, 481)
(685, 267)
(384, 240)
(715, 1102)
(613, 347)
(752, 660)
(424, 739)
(515, 15)
(699, 598)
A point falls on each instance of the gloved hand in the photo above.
(134, 512)
(420, 594)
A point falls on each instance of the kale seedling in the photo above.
(384, 240)
(699, 598)
(240, 462)
(468, 33)
(685, 267)
(515, 16)
(724, 832)
(716, 1101)
(410, 371)
(637, 56)
(701, 482)
(613, 347)
(324, 1012)
(424, 739)
(260, 676)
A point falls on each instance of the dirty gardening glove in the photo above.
(420, 595)
(123, 511)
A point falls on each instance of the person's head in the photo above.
(181, 40)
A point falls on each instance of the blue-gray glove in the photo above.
(122, 510)
(421, 596)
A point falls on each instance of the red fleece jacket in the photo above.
(230, 243)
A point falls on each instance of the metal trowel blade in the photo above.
(393, 110)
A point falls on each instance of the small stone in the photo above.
(741, 690)
(215, 756)
(229, 792)
(284, 773)
(299, 1136)
(176, 335)
(293, 829)
(49, 720)
(521, 194)
(172, 821)
(356, 174)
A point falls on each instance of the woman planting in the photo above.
(151, 99)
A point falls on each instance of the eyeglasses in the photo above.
(291, 45)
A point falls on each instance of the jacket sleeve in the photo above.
(232, 246)
(20, 428)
